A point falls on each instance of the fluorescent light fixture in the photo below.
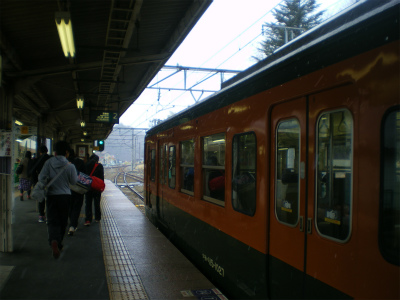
(80, 102)
(83, 123)
(18, 122)
(64, 27)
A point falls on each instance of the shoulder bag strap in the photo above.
(94, 168)
(58, 174)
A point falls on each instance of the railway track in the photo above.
(132, 186)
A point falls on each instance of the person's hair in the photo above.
(71, 152)
(43, 149)
(61, 148)
(28, 154)
(94, 157)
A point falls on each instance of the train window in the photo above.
(165, 167)
(187, 167)
(334, 175)
(153, 165)
(171, 167)
(161, 165)
(287, 188)
(214, 168)
(244, 175)
(389, 220)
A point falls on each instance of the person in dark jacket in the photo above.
(76, 198)
(93, 197)
(34, 171)
(58, 194)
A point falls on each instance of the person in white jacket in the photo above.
(58, 194)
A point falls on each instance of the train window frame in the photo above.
(334, 217)
(211, 165)
(165, 163)
(161, 164)
(385, 209)
(153, 165)
(172, 167)
(185, 164)
(245, 179)
(283, 211)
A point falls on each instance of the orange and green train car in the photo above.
(285, 184)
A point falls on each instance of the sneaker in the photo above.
(71, 231)
(55, 249)
(87, 223)
(41, 219)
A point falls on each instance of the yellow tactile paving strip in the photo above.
(123, 280)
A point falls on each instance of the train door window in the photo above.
(165, 167)
(214, 168)
(244, 175)
(187, 166)
(287, 187)
(389, 229)
(161, 164)
(171, 167)
(153, 165)
(334, 175)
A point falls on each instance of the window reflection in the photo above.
(214, 168)
(187, 166)
(334, 174)
(287, 172)
(244, 173)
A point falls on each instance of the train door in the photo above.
(288, 199)
(331, 256)
(311, 207)
(151, 187)
(162, 179)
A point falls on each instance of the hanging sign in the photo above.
(99, 116)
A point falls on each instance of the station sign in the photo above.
(100, 116)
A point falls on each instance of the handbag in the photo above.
(98, 184)
(39, 192)
(83, 184)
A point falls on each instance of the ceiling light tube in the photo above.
(64, 27)
(80, 102)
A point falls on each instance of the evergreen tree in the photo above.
(293, 17)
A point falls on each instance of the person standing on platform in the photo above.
(58, 195)
(24, 180)
(35, 170)
(16, 176)
(76, 198)
(93, 197)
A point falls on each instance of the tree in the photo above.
(293, 17)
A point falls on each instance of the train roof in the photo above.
(363, 27)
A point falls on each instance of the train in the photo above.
(285, 184)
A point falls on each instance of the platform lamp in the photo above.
(83, 124)
(64, 27)
(80, 102)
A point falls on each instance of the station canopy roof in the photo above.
(120, 46)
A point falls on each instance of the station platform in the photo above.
(122, 257)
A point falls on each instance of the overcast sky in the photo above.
(225, 37)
